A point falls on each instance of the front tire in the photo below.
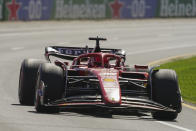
(165, 90)
(49, 87)
(27, 80)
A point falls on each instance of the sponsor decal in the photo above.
(108, 74)
(66, 9)
(133, 8)
(28, 9)
(69, 51)
(108, 71)
(110, 85)
(109, 80)
(13, 8)
(138, 8)
(36, 9)
(84, 9)
(176, 8)
(116, 6)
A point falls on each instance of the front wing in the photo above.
(95, 101)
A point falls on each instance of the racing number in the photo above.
(138, 8)
(35, 9)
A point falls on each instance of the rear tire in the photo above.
(27, 80)
(165, 90)
(49, 87)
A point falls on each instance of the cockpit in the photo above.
(96, 60)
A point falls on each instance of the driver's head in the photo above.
(97, 61)
(106, 62)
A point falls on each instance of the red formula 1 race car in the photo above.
(97, 78)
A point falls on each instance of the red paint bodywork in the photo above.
(108, 77)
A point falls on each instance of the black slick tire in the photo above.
(50, 82)
(165, 90)
(27, 80)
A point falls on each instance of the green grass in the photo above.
(186, 71)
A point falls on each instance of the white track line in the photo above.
(17, 48)
(174, 126)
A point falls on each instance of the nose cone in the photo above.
(109, 85)
(112, 95)
(111, 89)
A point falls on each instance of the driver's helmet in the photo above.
(97, 61)
(106, 62)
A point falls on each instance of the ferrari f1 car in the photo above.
(97, 77)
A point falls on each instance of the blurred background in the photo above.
(94, 9)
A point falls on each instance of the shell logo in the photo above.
(109, 80)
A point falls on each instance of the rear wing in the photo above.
(69, 53)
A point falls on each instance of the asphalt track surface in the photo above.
(144, 41)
